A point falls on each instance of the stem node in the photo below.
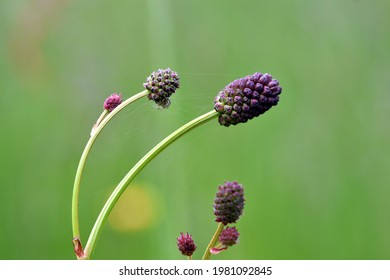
(77, 247)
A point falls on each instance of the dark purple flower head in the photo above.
(161, 84)
(246, 98)
(229, 203)
(229, 236)
(185, 244)
(112, 101)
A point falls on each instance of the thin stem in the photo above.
(91, 141)
(97, 228)
(99, 120)
(213, 241)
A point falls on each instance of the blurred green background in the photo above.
(315, 168)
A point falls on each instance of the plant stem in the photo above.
(213, 241)
(97, 228)
(99, 120)
(91, 141)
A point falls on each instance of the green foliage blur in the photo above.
(315, 168)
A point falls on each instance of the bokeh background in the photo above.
(315, 168)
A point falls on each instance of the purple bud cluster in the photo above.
(229, 202)
(246, 98)
(185, 244)
(112, 101)
(229, 236)
(161, 85)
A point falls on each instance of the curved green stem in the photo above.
(97, 228)
(213, 241)
(103, 119)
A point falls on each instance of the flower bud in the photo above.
(229, 236)
(246, 98)
(161, 85)
(229, 203)
(112, 101)
(185, 244)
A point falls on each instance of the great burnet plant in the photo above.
(238, 102)
(228, 207)
(159, 87)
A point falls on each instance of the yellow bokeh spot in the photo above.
(137, 209)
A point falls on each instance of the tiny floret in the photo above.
(229, 202)
(185, 244)
(246, 98)
(161, 85)
(229, 236)
(112, 101)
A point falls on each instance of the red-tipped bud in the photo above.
(185, 244)
(112, 101)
